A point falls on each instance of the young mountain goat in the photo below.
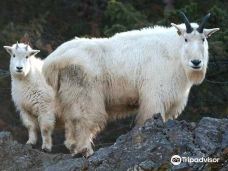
(33, 97)
(149, 70)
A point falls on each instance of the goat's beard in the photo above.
(196, 76)
(19, 75)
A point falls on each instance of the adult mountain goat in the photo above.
(149, 70)
(33, 97)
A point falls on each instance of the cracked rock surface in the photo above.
(149, 147)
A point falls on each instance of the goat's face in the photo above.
(20, 58)
(194, 48)
(194, 51)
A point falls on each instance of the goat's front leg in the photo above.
(176, 108)
(30, 123)
(150, 105)
(46, 123)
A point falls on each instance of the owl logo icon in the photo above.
(175, 159)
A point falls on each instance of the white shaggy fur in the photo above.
(148, 70)
(32, 96)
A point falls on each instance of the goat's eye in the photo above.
(26, 57)
(186, 40)
(203, 39)
(14, 55)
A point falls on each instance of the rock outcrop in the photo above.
(149, 147)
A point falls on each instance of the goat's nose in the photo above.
(19, 68)
(196, 62)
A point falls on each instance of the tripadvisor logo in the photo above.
(176, 160)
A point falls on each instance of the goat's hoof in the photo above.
(75, 154)
(70, 145)
(82, 153)
(87, 152)
(29, 142)
(46, 148)
(72, 149)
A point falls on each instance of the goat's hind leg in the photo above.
(47, 123)
(78, 138)
(70, 141)
(84, 139)
(86, 129)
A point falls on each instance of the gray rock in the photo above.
(149, 147)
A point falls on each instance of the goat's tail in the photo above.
(51, 70)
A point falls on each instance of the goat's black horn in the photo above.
(203, 23)
(189, 28)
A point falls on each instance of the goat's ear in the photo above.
(8, 49)
(33, 52)
(209, 32)
(180, 31)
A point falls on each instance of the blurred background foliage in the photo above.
(47, 24)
